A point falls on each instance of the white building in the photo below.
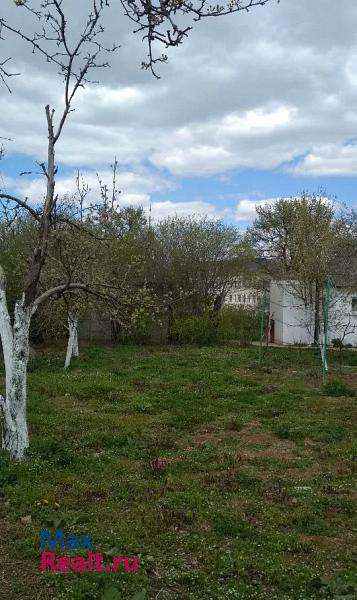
(292, 320)
(240, 295)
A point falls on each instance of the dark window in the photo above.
(354, 304)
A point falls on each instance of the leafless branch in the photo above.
(5, 74)
(8, 198)
(94, 289)
(164, 22)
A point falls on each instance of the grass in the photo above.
(230, 481)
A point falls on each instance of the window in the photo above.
(230, 297)
(354, 304)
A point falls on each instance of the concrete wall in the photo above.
(343, 320)
(294, 322)
(94, 328)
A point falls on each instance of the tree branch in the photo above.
(21, 203)
(60, 289)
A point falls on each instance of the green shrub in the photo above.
(196, 329)
(241, 323)
(231, 324)
(338, 388)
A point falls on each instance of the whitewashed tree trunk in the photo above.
(72, 345)
(15, 343)
(76, 345)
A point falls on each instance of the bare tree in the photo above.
(76, 58)
(168, 23)
(164, 23)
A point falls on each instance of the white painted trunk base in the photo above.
(72, 345)
(15, 342)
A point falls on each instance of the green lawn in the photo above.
(231, 482)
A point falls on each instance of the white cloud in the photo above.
(246, 209)
(257, 120)
(329, 159)
(247, 90)
(161, 210)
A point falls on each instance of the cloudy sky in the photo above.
(252, 107)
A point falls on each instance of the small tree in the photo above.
(346, 254)
(112, 240)
(298, 236)
(192, 262)
(75, 58)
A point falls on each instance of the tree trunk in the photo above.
(115, 330)
(75, 345)
(15, 342)
(72, 345)
(317, 315)
(170, 323)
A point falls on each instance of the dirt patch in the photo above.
(269, 446)
(271, 388)
(304, 473)
(90, 496)
(160, 464)
(264, 444)
(212, 437)
(323, 541)
(224, 480)
(311, 443)
(146, 386)
(198, 387)
(314, 381)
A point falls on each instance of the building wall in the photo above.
(276, 311)
(294, 322)
(343, 317)
(240, 295)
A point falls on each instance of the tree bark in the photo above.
(15, 342)
(72, 345)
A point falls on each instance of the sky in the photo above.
(252, 107)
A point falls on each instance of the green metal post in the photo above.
(262, 318)
(326, 317)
